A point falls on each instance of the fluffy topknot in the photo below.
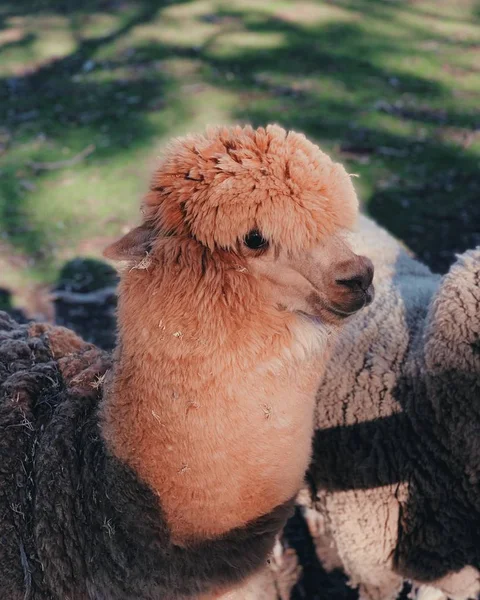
(219, 186)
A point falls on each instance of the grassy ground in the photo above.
(90, 91)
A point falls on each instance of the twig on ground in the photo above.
(61, 164)
(96, 297)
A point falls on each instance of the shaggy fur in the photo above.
(395, 471)
(396, 452)
(168, 473)
(224, 367)
(204, 180)
(76, 523)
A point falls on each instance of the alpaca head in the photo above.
(264, 202)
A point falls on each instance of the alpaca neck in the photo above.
(218, 425)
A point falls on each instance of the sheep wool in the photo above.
(76, 522)
(396, 461)
(394, 478)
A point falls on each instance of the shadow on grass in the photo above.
(387, 9)
(405, 133)
(72, 100)
(430, 187)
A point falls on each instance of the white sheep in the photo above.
(396, 465)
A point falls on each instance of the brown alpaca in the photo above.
(223, 333)
(236, 281)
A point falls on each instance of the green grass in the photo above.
(390, 87)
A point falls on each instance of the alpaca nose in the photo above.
(359, 279)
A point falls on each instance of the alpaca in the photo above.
(396, 462)
(168, 472)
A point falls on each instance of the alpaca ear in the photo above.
(132, 246)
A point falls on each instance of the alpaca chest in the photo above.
(235, 459)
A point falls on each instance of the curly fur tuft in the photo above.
(396, 451)
(76, 522)
(205, 180)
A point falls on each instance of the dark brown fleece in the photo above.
(75, 523)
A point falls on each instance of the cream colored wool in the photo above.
(417, 321)
(357, 529)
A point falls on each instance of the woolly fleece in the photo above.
(394, 477)
(396, 451)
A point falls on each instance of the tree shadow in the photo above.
(22, 42)
(74, 100)
(387, 9)
(429, 191)
(407, 135)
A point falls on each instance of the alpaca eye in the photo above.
(255, 241)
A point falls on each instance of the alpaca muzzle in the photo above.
(353, 288)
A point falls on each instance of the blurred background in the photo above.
(91, 90)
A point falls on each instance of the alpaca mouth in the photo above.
(343, 313)
(357, 303)
(322, 308)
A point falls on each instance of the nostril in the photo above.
(359, 281)
(355, 283)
